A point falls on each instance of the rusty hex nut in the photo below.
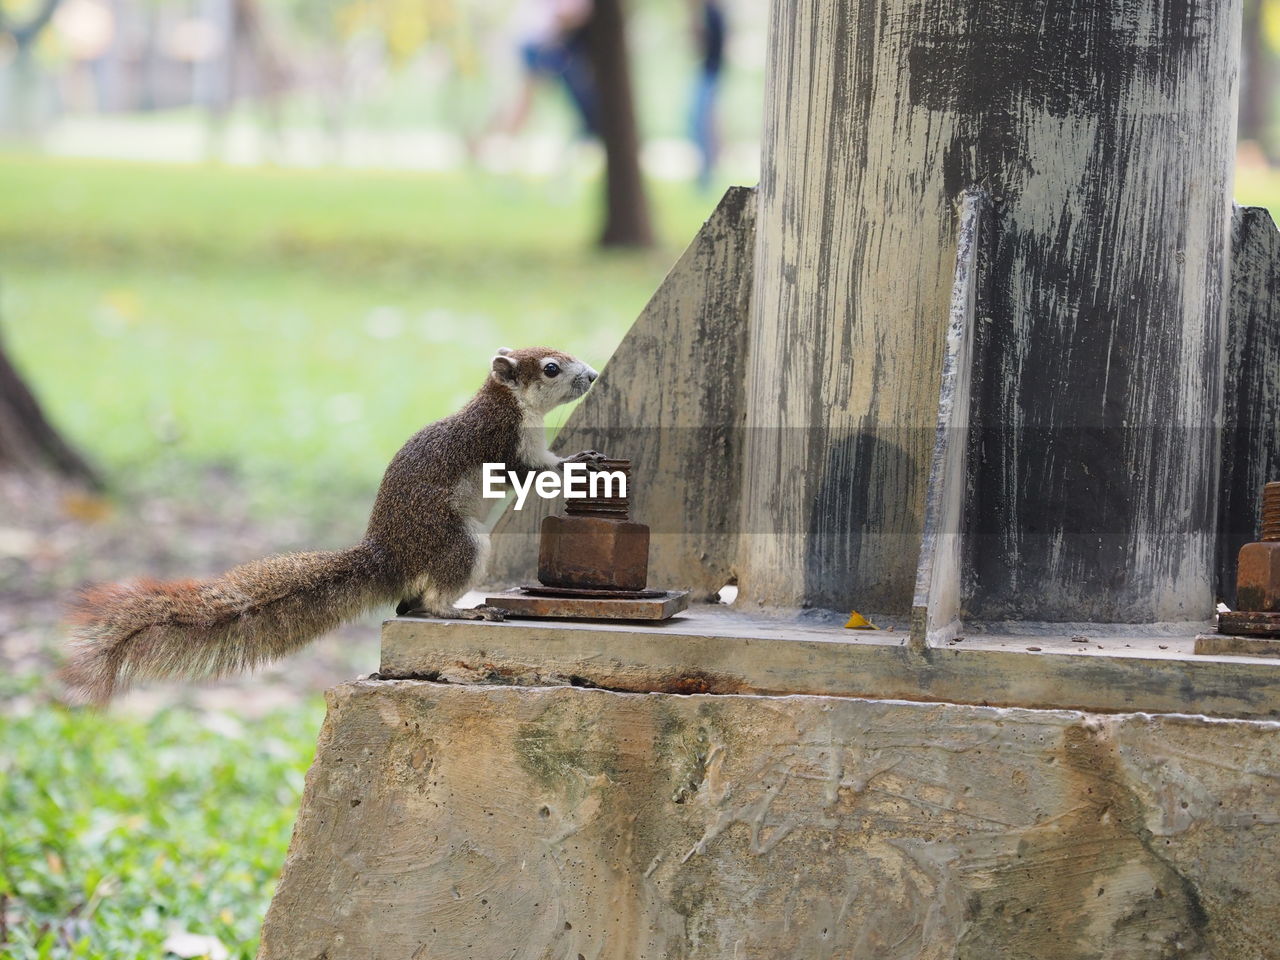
(1258, 577)
(594, 553)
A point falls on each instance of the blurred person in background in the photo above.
(552, 41)
(709, 38)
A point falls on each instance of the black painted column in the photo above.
(1105, 135)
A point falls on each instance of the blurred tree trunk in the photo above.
(1256, 79)
(28, 442)
(626, 220)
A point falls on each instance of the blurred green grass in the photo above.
(296, 325)
(115, 833)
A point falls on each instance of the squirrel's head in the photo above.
(541, 378)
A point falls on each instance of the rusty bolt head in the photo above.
(593, 552)
(1271, 513)
(1258, 577)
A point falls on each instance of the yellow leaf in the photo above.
(86, 507)
(858, 622)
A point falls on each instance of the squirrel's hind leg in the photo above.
(435, 595)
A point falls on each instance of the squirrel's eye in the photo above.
(551, 369)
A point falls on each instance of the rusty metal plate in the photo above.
(519, 604)
(590, 593)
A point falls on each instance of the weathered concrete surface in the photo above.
(703, 651)
(670, 400)
(483, 822)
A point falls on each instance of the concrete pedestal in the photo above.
(468, 820)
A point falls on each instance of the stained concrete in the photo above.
(484, 822)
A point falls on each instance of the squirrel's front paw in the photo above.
(482, 612)
(592, 458)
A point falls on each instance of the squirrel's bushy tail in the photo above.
(251, 614)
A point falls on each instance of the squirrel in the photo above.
(424, 546)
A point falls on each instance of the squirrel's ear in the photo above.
(504, 368)
(505, 351)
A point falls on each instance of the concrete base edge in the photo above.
(452, 821)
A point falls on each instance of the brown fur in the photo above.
(419, 534)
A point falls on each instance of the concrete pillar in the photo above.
(1104, 133)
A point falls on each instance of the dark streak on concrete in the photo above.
(1095, 866)
(1078, 513)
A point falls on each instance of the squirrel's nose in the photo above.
(591, 375)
